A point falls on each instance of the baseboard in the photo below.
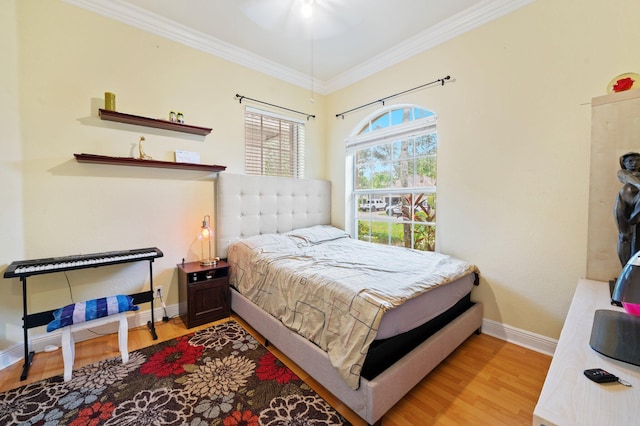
(527, 339)
(15, 353)
(501, 331)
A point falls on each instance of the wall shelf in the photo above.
(128, 161)
(152, 122)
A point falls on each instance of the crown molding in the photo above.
(458, 24)
(137, 17)
(467, 20)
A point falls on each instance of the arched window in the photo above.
(392, 161)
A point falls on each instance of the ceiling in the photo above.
(341, 42)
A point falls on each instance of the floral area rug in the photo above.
(217, 376)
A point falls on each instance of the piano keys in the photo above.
(25, 268)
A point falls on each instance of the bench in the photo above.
(68, 344)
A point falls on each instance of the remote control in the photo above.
(598, 375)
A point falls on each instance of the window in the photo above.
(392, 159)
(274, 145)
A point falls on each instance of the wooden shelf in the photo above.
(128, 161)
(152, 122)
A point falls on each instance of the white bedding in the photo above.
(332, 289)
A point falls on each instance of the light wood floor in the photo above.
(486, 381)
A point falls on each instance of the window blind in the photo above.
(274, 145)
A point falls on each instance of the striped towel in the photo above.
(90, 310)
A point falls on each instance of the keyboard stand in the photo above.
(45, 317)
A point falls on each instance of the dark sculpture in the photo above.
(627, 207)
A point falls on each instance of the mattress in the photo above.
(334, 290)
(423, 308)
(383, 353)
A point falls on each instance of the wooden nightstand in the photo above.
(204, 292)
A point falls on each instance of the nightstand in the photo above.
(204, 292)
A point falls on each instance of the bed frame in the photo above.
(251, 205)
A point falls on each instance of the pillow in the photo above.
(268, 243)
(318, 234)
(90, 310)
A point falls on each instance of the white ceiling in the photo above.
(342, 42)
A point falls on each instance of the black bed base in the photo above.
(385, 352)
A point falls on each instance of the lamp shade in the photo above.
(205, 235)
(627, 288)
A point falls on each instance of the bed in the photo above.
(251, 208)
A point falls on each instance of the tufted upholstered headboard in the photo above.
(248, 205)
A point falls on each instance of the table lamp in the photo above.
(205, 235)
(616, 334)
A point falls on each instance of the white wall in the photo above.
(58, 60)
(11, 164)
(514, 146)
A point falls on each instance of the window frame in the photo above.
(419, 216)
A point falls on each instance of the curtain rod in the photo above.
(440, 80)
(240, 98)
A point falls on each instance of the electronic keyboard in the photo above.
(25, 268)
